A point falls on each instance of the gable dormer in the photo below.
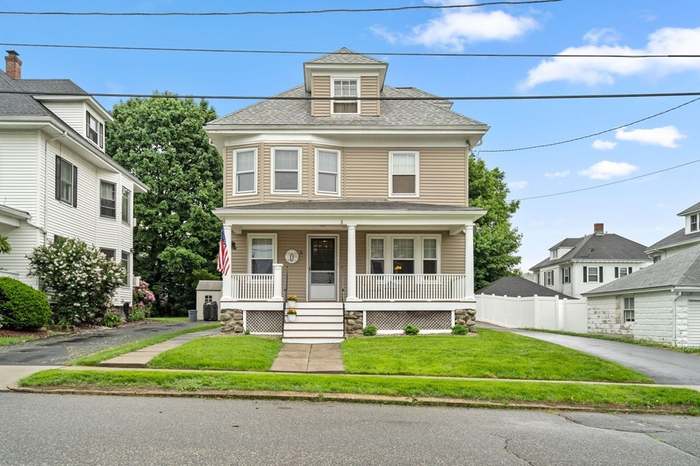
(344, 74)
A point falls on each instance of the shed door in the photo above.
(694, 322)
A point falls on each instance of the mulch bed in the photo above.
(25, 333)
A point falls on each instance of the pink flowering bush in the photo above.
(143, 302)
(79, 280)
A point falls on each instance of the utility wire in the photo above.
(359, 98)
(275, 12)
(603, 185)
(320, 52)
(597, 133)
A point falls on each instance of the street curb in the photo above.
(342, 397)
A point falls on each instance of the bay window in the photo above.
(286, 170)
(245, 162)
(403, 173)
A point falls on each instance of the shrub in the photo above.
(111, 319)
(459, 330)
(411, 330)
(143, 299)
(79, 280)
(369, 331)
(21, 306)
(4, 245)
(138, 312)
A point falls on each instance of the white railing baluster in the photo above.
(411, 287)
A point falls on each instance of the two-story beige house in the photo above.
(358, 207)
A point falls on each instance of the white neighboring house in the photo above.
(56, 181)
(686, 237)
(578, 265)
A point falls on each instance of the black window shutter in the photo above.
(617, 272)
(585, 274)
(75, 186)
(57, 191)
(629, 270)
(600, 274)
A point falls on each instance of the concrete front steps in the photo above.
(316, 323)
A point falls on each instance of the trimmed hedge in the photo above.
(21, 306)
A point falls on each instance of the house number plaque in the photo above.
(291, 256)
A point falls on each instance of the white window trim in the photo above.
(566, 275)
(273, 188)
(250, 237)
(625, 309)
(357, 78)
(697, 223)
(317, 191)
(389, 252)
(254, 192)
(597, 274)
(391, 173)
(117, 203)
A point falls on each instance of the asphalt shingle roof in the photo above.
(692, 209)
(675, 238)
(356, 205)
(17, 104)
(518, 286)
(600, 247)
(680, 269)
(346, 56)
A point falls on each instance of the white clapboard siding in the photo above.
(72, 113)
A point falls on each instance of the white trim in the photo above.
(338, 190)
(235, 172)
(416, 163)
(337, 262)
(389, 251)
(249, 240)
(273, 188)
(400, 306)
(346, 77)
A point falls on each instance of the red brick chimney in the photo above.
(599, 228)
(13, 65)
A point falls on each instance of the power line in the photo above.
(360, 98)
(275, 12)
(320, 52)
(603, 185)
(597, 133)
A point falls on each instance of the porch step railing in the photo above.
(411, 287)
(252, 286)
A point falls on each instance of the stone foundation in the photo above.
(466, 317)
(232, 321)
(353, 323)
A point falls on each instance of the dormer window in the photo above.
(694, 220)
(345, 88)
(94, 130)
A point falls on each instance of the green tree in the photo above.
(495, 239)
(162, 141)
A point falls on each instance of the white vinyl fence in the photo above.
(541, 312)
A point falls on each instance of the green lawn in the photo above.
(7, 341)
(109, 353)
(168, 320)
(246, 353)
(489, 354)
(593, 395)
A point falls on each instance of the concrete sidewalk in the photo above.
(10, 375)
(309, 358)
(142, 357)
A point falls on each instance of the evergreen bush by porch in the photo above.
(21, 306)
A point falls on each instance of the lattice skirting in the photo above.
(397, 320)
(264, 321)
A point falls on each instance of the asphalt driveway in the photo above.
(61, 349)
(664, 366)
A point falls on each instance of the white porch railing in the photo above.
(411, 287)
(252, 286)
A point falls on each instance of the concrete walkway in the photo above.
(10, 375)
(665, 366)
(142, 357)
(309, 358)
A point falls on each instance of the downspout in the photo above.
(675, 318)
(46, 178)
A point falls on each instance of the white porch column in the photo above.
(469, 262)
(226, 283)
(277, 282)
(352, 294)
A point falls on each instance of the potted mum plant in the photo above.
(291, 315)
(292, 301)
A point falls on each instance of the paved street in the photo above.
(52, 429)
(664, 366)
(59, 350)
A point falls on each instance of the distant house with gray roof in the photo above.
(578, 264)
(56, 180)
(679, 240)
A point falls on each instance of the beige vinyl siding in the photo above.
(230, 198)
(442, 176)
(369, 87)
(320, 87)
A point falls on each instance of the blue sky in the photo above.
(642, 210)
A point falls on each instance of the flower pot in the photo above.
(291, 317)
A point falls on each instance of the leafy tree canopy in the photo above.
(162, 141)
(495, 239)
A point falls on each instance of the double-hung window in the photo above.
(328, 172)
(261, 253)
(94, 130)
(628, 309)
(126, 259)
(593, 274)
(566, 275)
(403, 173)
(550, 278)
(376, 255)
(108, 199)
(126, 205)
(66, 182)
(430, 255)
(286, 170)
(694, 220)
(404, 256)
(245, 162)
(346, 88)
(110, 253)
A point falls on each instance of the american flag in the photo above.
(224, 262)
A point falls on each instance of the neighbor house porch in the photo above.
(349, 264)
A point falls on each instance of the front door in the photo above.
(322, 269)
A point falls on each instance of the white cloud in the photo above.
(600, 144)
(596, 71)
(518, 185)
(454, 29)
(601, 36)
(665, 136)
(559, 174)
(605, 169)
